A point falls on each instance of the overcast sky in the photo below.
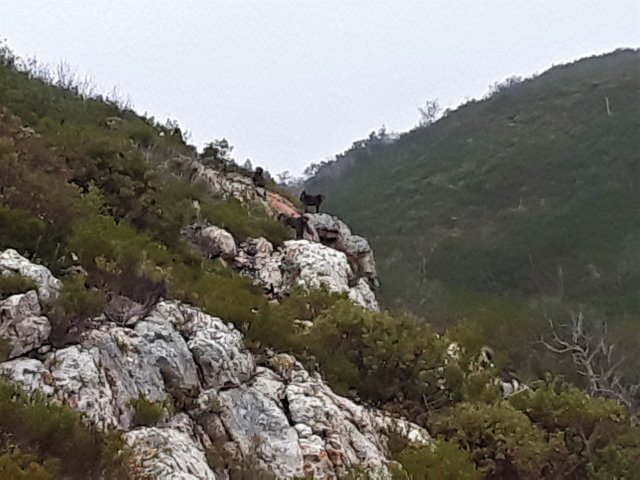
(293, 82)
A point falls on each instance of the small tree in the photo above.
(218, 152)
(429, 112)
(594, 359)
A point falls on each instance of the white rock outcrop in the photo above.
(304, 263)
(273, 414)
(226, 183)
(22, 327)
(320, 266)
(334, 233)
(11, 263)
(225, 404)
(168, 452)
(211, 241)
(258, 260)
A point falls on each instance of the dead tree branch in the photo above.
(594, 359)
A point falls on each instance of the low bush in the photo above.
(503, 442)
(18, 466)
(386, 359)
(217, 291)
(243, 221)
(72, 308)
(115, 254)
(145, 412)
(442, 461)
(14, 284)
(596, 431)
(21, 230)
(54, 437)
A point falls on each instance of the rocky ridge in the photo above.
(330, 255)
(220, 400)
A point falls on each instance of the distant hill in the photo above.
(533, 192)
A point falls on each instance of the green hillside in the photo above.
(533, 192)
(87, 189)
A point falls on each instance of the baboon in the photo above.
(299, 224)
(311, 200)
(259, 183)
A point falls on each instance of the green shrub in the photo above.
(503, 442)
(386, 359)
(243, 221)
(145, 412)
(20, 230)
(217, 291)
(14, 284)
(17, 466)
(618, 459)
(115, 254)
(5, 349)
(279, 324)
(442, 461)
(56, 436)
(596, 431)
(73, 307)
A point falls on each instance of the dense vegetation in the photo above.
(85, 181)
(511, 205)
(43, 440)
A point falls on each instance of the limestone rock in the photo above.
(336, 234)
(11, 262)
(168, 452)
(267, 268)
(275, 415)
(82, 385)
(260, 428)
(21, 325)
(216, 347)
(361, 294)
(211, 241)
(319, 266)
(30, 373)
(231, 184)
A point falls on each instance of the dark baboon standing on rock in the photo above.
(311, 200)
(259, 183)
(299, 224)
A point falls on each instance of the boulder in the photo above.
(22, 328)
(80, 383)
(320, 266)
(168, 452)
(11, 262)
(334, 233)
(30, 373)
(216, 347)
(211, 241)
(267, 268)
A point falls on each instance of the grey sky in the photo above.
(292, 82)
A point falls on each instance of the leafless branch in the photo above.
(594, 359)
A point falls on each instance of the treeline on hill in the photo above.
(510, 209)
(85, 178)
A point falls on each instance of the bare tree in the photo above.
(429, 112)
(594, 359)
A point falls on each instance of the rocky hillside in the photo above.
(213, 396)
(157, 320)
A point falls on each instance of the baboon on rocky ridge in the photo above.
(311, 200)
(299, 224)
